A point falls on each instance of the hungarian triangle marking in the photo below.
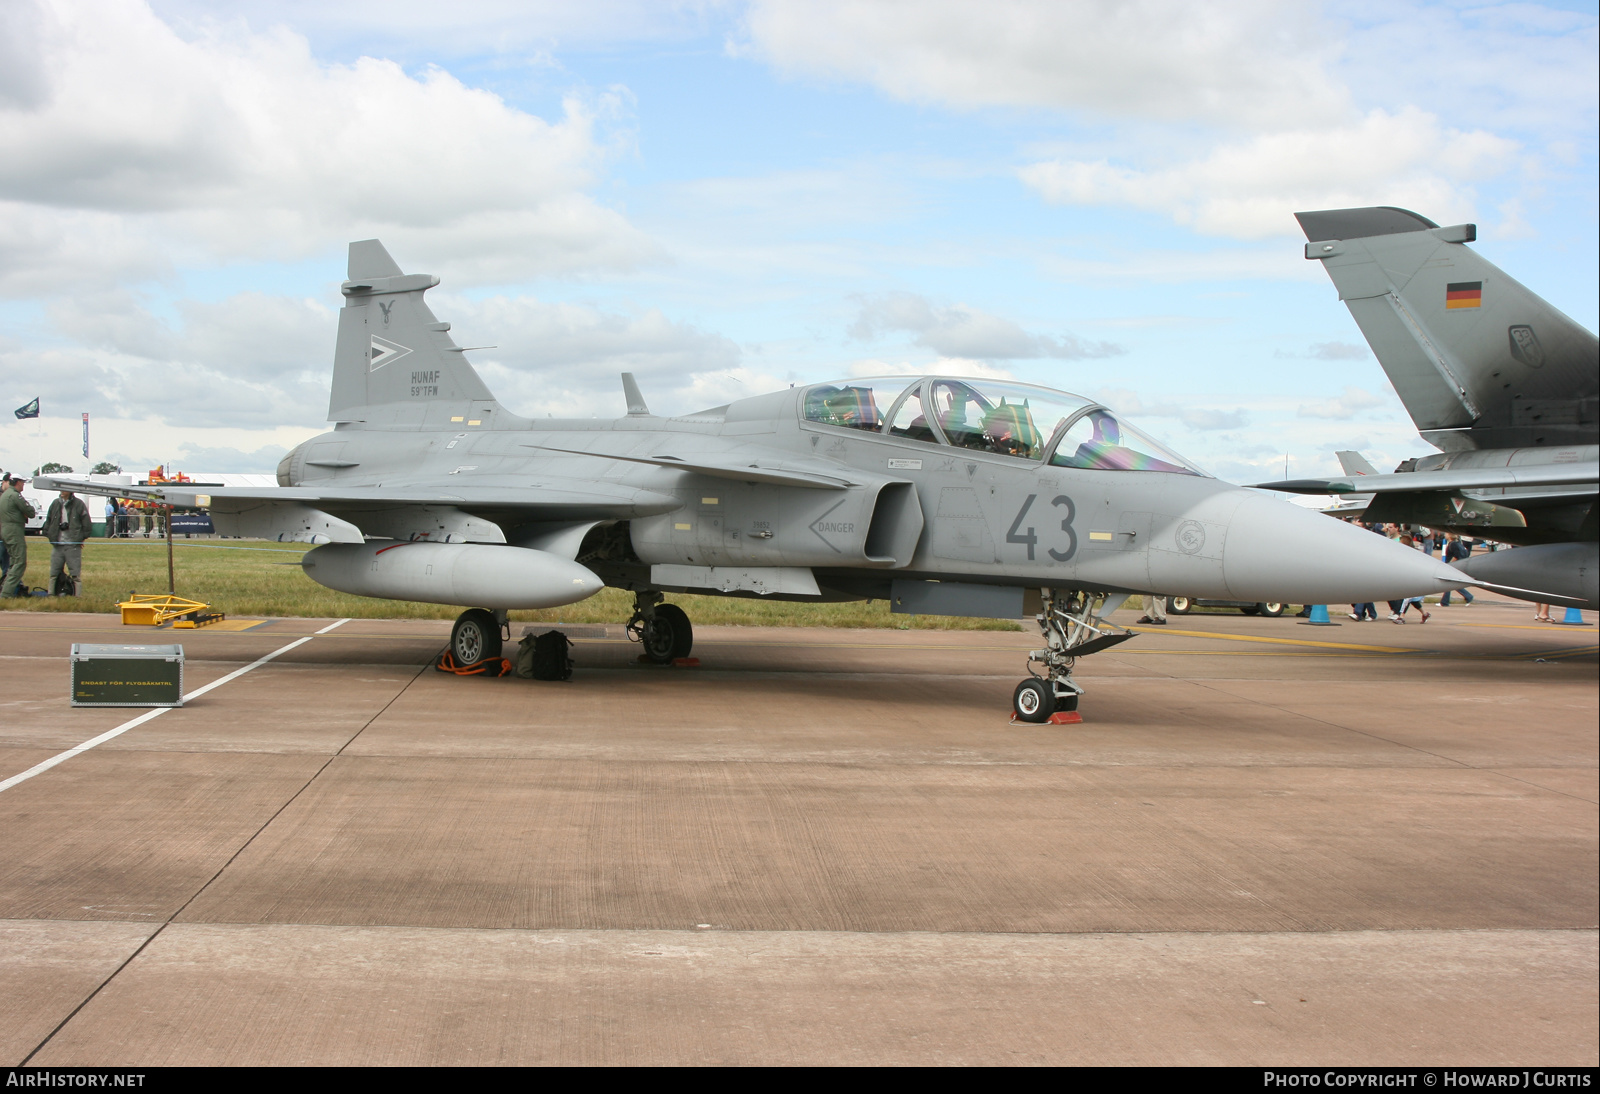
(384, 351)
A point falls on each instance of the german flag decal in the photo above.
(1463, 294)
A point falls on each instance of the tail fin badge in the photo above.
(1463, 294)
(383, 352)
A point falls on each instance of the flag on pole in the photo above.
(86, 434)
(29, 411)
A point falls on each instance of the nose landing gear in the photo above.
(1073, 628)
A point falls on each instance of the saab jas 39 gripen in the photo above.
(942, 495)
(1503, 384)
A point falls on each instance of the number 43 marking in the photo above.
(1030, 538)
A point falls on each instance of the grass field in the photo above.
(252, 578)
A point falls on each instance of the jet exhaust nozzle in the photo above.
(476, 574)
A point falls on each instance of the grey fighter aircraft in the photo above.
(1503, 384)
(940, 494)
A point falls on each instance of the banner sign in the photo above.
(191, 524)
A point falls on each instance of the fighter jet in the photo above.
(942, 495)
(1503, 384)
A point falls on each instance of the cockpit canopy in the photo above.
(1008, 419)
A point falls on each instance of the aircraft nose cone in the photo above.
(1281, 552)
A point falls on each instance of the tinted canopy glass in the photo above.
(853, 404)
(1008, 419)
(1099, 441)
(996, 416)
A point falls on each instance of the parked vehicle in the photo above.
(1183, 605)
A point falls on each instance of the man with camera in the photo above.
(67, 527)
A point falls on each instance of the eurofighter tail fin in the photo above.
(1478, 359)
(395, 363)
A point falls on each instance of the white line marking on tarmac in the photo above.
(61, 757)
(330, 626)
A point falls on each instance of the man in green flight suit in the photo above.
(67, 526)
(14, 514)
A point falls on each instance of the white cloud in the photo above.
(138, 442)
(1251, 189)
(1191, 412)
(940, 366)
(234, 143)
(43, 250)
(230, 385)
(510, 31)
(1168, 266)
(1346, 406)
(1252, 62)
(1479, 63)
(962, 331)
(1229, 118)
(566, 359)
(225, 459)
(254, 359)
(251, 361)
(1210, 418)
(1328, 351)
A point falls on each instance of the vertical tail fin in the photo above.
(630, 391)
(1478, 359)
(395, 363)
(1354, 463)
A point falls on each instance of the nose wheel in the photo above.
(1034, 701)
(1072, 629)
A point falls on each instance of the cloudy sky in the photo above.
(725, 198)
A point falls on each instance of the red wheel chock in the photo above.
(1059, 718)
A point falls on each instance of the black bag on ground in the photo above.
(544, 657)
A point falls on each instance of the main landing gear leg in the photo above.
(1069, 621)
(662, 629)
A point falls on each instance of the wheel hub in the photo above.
(469, 645)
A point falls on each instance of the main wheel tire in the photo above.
(1034, 701)
(1179, 605)
(669, 635)
(1270, 610)
(1253, 609)
(475, 637)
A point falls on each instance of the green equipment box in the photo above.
(126, 676)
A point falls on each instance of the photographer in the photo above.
(67, 526)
